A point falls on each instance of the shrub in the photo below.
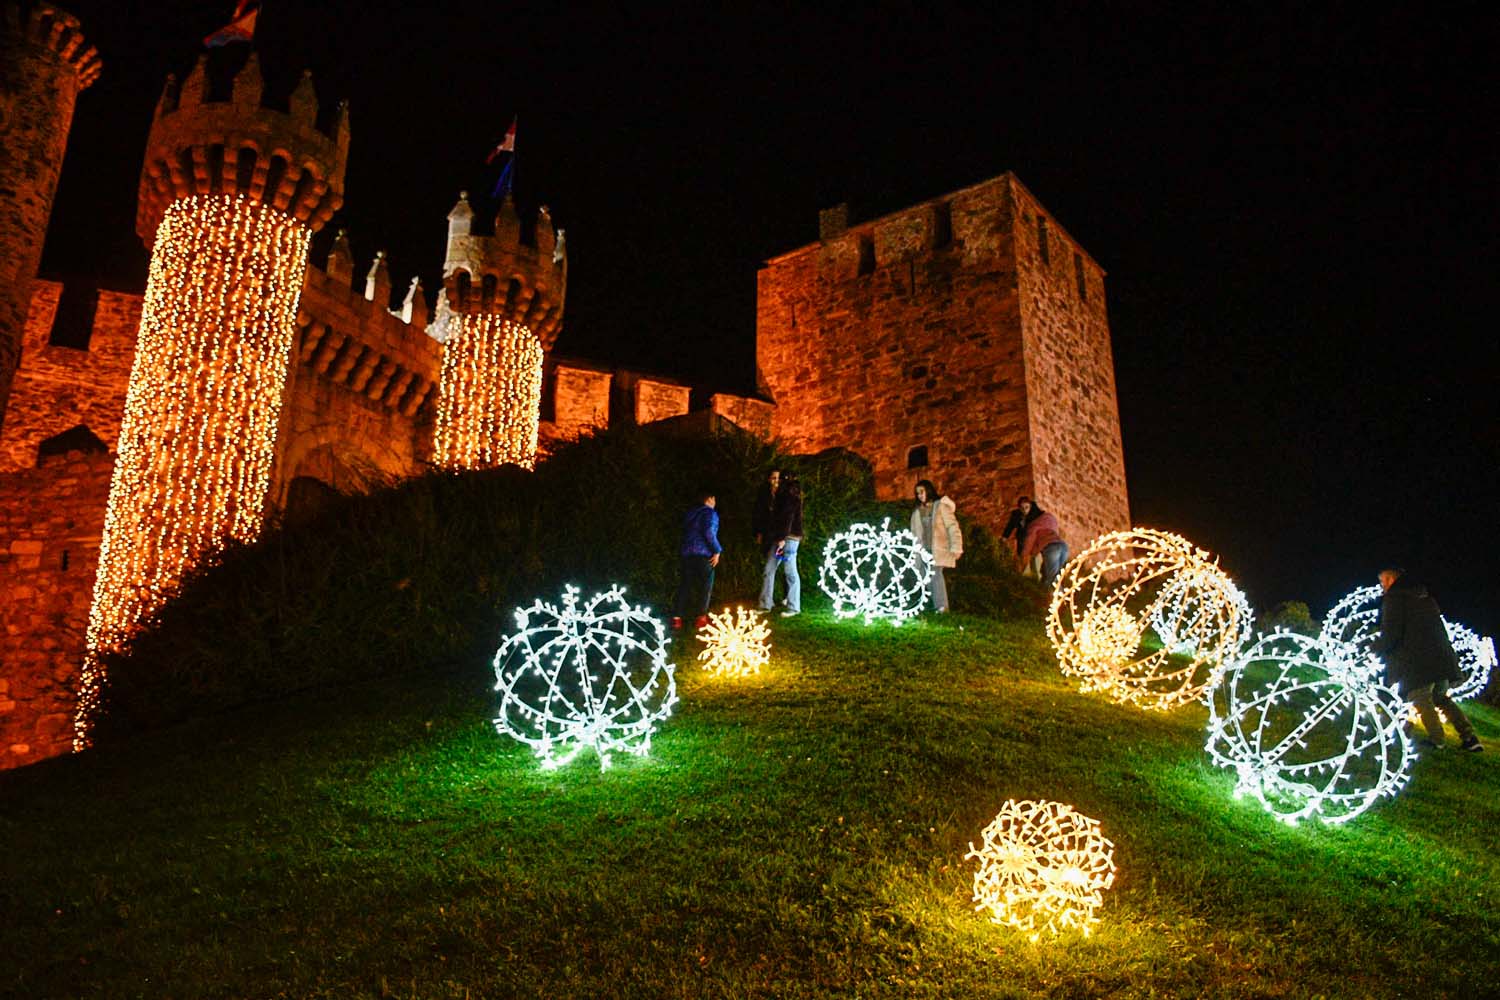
(1290, 616)
(425, 572)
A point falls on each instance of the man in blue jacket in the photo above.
(699, 555)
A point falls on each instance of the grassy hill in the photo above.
(797, 835)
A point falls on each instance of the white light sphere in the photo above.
(584, 675)
(1308, 730)
(1182, 614)
(1127, 583)
(1043, 867)
(876, 573)
(1355, 619)
(735, 644)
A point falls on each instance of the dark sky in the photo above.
(1295, 205)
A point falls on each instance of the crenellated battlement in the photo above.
(53, 30)
(502, 275)
(238, 145)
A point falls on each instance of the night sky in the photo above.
(1295, 206)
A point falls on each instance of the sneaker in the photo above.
(789, 613)
(676, 624)
(1472, 745)
(1429, 745)
(700, 621)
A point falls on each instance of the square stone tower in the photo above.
(962, 340)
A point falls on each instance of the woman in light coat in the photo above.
(936, 527)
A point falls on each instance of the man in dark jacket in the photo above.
(1419, 657)
(699, 555)
(781, 540)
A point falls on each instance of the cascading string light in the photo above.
(490, 394)
(735, 644)
(1307, 728)
(579, 675)
(198, 433)
(1043, 867)
(1126, 583)
(876, 573)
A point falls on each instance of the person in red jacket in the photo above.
(1043, 536)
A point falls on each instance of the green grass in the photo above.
(796, 835)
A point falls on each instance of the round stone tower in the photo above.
(499, 314)
(44, 65)
(230, 195)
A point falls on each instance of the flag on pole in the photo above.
(507, 177)
(241, 27)
(507, 145)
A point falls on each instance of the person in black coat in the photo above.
(779, 541)
(764, 511)
(1021, 516)
(1419, 657)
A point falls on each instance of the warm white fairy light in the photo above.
(584, 675)
(1181, 613)
(1128, 582)
(1043, 867)
(1307, 728)
(1355, 619)
(199, 429)
(490, 395)
(876, 572)
(735, 644)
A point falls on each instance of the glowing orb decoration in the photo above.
(1476, 658)
(735, 644)
(1042, 867)
(1308, 729)
(1127, 584)
(876, 572)
(586, 674)
(1356, 620)
(1178, 615)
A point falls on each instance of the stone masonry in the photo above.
(963, 340)
(50, 520)
(44, 64)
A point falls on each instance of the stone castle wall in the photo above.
(923, 342)
(1078, 461)
(900, 339)
(58, 388)
(51, 517)
(45, 63)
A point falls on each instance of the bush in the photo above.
(1290, 616)
(425, 573)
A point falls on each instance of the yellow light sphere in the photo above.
(1043, 867)
(1125, 588)
(735, 644)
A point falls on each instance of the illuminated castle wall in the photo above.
(249, 382)
(963, 340)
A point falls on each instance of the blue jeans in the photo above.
(793, 581)
(1053, 557)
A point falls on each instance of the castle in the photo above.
(964, 340)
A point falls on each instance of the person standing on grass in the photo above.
(935, 524)
(1419, 656)
(765, 510)
(781, 541)
(1044, 538)
(698, 556)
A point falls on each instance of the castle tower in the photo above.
(230, 195)
(44, 65)
(964, 340)
(500, 312)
